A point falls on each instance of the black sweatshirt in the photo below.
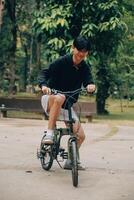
(63, 75)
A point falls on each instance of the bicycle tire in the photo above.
(74, 163)
(46, 156)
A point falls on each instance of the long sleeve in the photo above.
(87, 76)
(43, 77)
(51, 73)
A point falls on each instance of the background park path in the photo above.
(107, 153)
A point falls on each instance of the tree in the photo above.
(17, 44)
(101, 21)
(107, 27)
(8, 43)
(1, 11)
(124, 61)
(26, 58)
(11, 6)
(43, 30)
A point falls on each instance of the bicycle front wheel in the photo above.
(74, 163)
(46, 156)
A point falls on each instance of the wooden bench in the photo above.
(4, 110)
(85, 109)
(19, 104)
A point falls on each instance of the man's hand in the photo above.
(91, 88)
(46, 90)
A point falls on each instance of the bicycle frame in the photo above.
(61, 132)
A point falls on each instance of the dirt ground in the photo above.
(107, 153)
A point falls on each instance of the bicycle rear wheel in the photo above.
(46, 156)
(74, 163)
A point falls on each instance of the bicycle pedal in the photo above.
(61, 149)
(64, 155)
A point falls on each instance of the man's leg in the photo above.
(55, 103)
(53, 108)
(78, 130)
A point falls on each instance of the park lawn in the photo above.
(118, 114)
(22, 95)
(119, 110)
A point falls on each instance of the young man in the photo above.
(67, 73)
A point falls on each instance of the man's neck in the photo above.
(75, 62)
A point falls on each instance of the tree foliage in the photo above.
(106, 31)
(36, 32)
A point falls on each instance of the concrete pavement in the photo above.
(107, 153)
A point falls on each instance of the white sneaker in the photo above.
(48, 139)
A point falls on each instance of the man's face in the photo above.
(79, 55)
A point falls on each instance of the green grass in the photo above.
(22, 95)
(24, 115)
(118, 115)
(121, 111)
(117, 111)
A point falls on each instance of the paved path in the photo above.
(108, 154)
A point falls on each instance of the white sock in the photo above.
(50, 131)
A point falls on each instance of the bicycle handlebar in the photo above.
(53, 91)
(70, 93)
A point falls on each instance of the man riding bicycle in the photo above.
(67, 73)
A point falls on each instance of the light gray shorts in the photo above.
(63, 116)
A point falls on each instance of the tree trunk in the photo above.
(11, 6)
(1, 10)
(24, 71)
(102, 87)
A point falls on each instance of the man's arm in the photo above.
(88, 80)
(43, 77)
(52, 73)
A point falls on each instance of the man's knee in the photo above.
(82, 135)
(59, 99)
(79, 131)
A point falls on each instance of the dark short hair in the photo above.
(82, 43)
